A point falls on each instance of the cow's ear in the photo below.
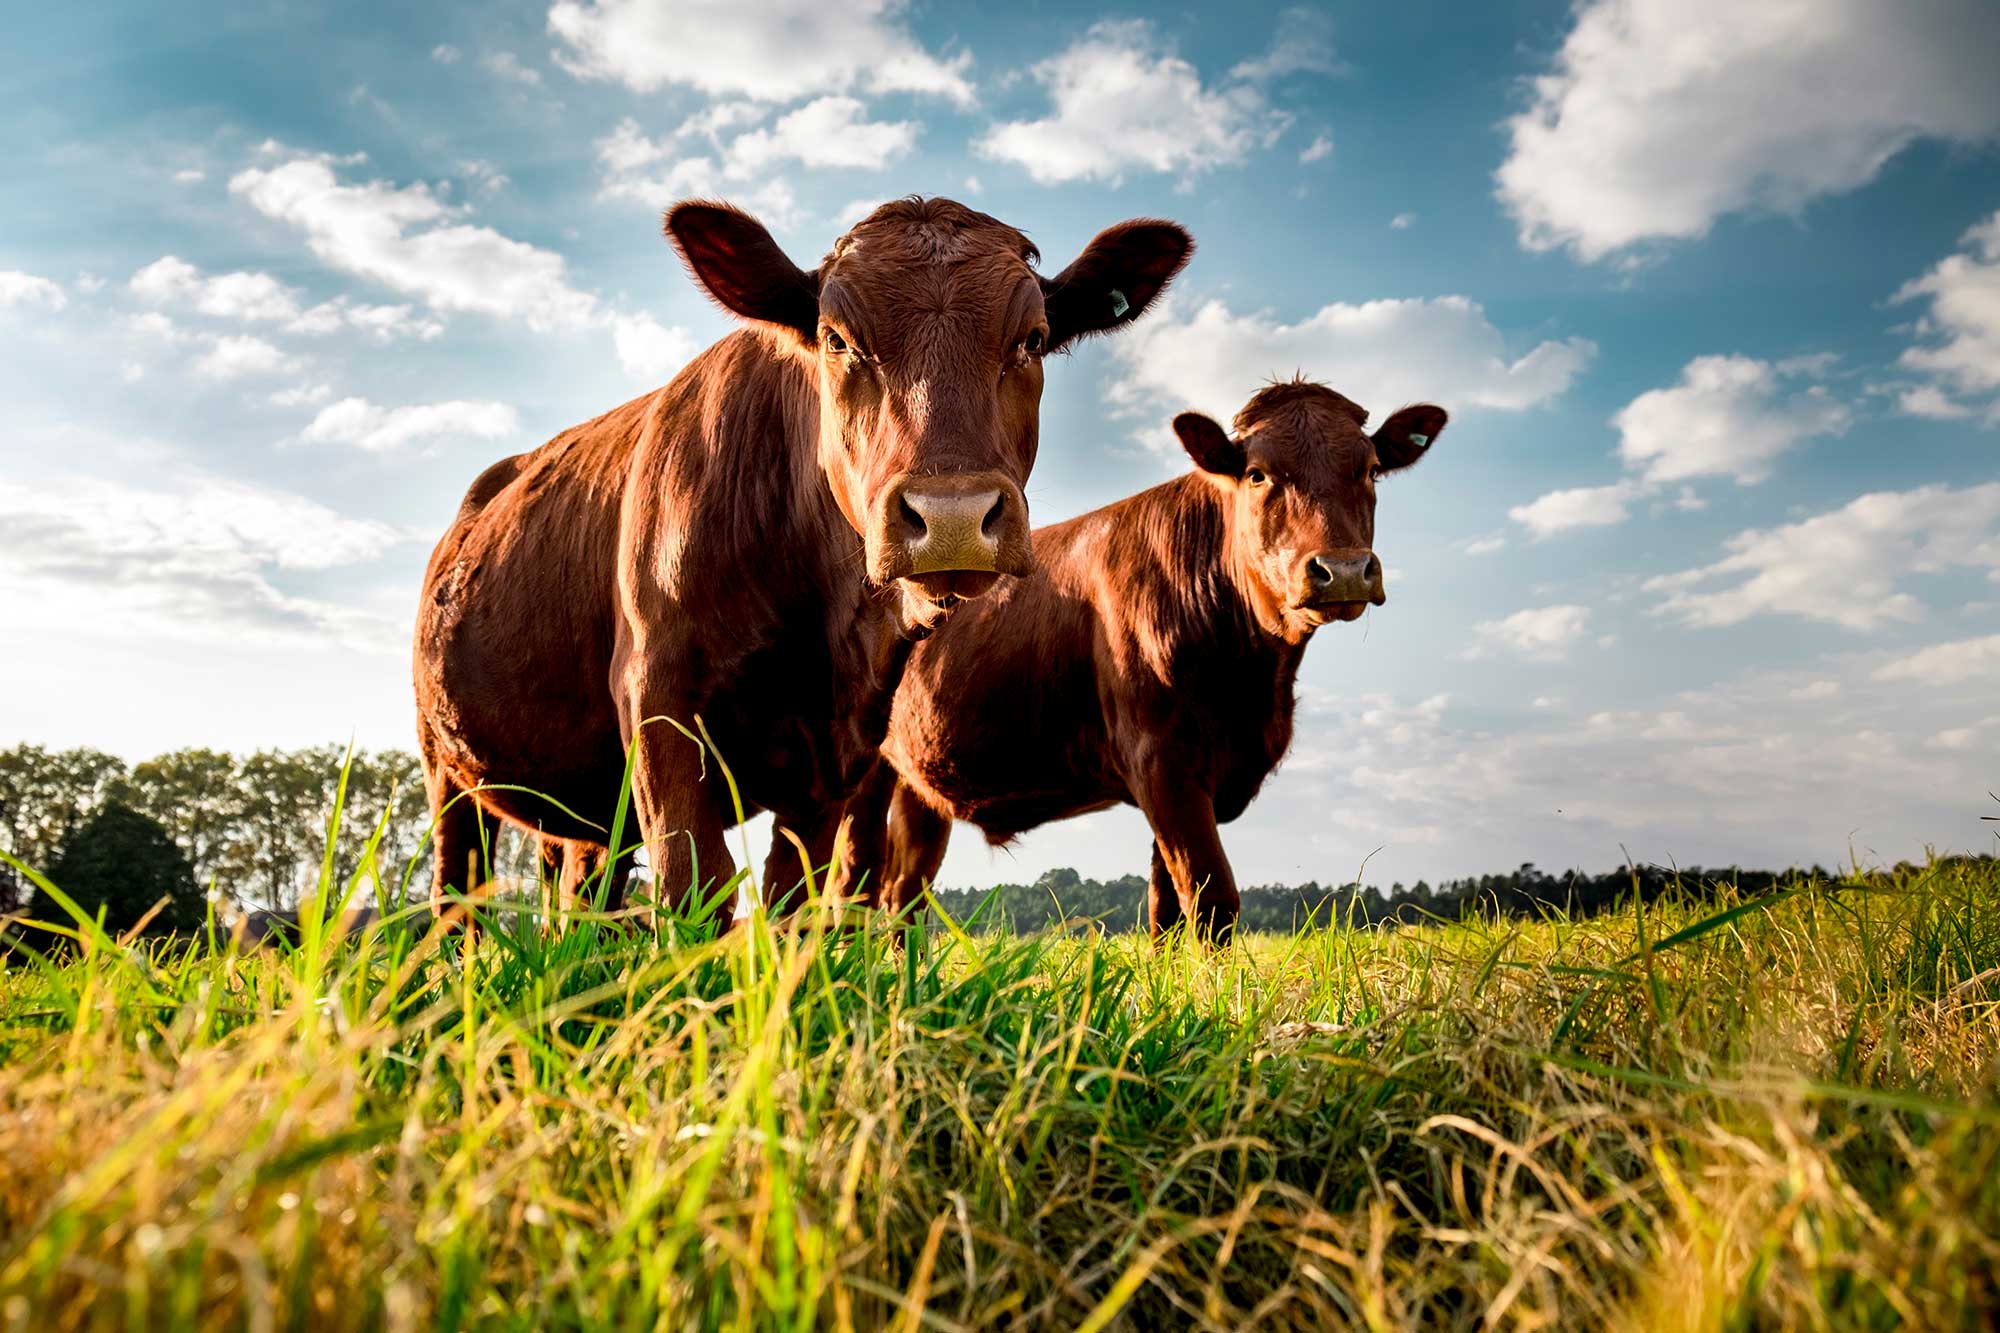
(1116, 277)
(736, 262)
(1408, 435)
(1209, 445)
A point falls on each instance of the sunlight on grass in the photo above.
(1716, 1113)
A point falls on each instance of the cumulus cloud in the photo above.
(774, 52)
(1960, 329)
(18, 288)
(1302, 44)
(1122, 100)
(1727, 416)
(639, 168)
(650, 351)
(409, 240)
(1846, 567)
(192, 554)
(1540, 634)
(250, 297)
(507, 66)
(1380, 353)
(378, 430)
(235, 355)
(1947, 663)
(826, 132)
(1320, 147)
(1660, 116)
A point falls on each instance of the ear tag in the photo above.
(1420, 440)
(1119, 305)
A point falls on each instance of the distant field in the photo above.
(1720, 1113)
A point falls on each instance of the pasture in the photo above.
(1710, 1112)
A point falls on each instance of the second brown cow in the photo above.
(1149, 658)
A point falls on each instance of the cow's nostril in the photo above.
(1374, 570)
(993, 515)
(1319, 571)
(911, 517)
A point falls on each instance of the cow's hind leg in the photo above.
(791, 865)
(918, 836)
(1163, 904)
(466, 837)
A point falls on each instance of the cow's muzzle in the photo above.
(1339, 585)
(929, 528)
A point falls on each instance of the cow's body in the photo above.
(731, 570)
(1144, 661)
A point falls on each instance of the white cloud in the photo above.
(650, 351)
(236, 355)
(826, 132)
(506, 65)
(409, 240)
(193, 554)
(1320, 147)
(261, 298)
(17, 288)
(1302, 44)
(774, 52)
(302, 395)
(1727, 416)
(1122, 100)
(1578, 507)
(1403, 221)
(1540, 634)
(190, 176)
(445, 54)
(1955, 738)
(972, 185)
(629, 159)
(483, 176)
(1948, 663)
(1962, 326)
(1485, 545)
(1844, 567)
(378, 430)
(1927, 400)
(1815, 689)
(1380, 353)
(1659, 116)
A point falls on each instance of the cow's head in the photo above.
(1297, 476)
(926, 327)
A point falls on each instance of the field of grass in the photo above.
(1713, 1113)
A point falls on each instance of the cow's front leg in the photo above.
(1189, 846)
(674, 796)
(788, 869)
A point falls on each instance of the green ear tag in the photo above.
(1119, 305)
(1421, 441)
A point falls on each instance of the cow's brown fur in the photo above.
(1149, 659)
(721, 553)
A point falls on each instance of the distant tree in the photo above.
(124, 862)
(44, 796)
(195, 795)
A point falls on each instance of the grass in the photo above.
(1709, 1114)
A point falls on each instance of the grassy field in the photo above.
(1711, 1114)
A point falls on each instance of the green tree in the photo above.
(196, 796)
(44, 796)
(121, 862)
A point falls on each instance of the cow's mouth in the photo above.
(1323, 613)
(928, 598)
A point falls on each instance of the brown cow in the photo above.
(1150, 657)
(751, 548)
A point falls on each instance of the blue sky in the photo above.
(1706, 569)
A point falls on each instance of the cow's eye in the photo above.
(1375, 472)
(835, 343)
(1257, 477)
(1034, 342)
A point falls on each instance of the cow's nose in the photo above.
(933, 525)
(1335, 577)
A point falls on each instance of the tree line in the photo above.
(252, 827)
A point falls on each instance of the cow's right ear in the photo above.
(736, 262)
(1115, 278)
(1209, 445)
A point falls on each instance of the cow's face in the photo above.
(927, 327)
(1298, 480)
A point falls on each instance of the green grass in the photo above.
(1713, 1114)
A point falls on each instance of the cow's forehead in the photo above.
(1311, 439)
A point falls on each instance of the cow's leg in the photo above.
(918, 836)
(569, 868)
(1163, 901)
(465, 836)
(1184, 830)
(862, 844)
(786, 869)
(674, 797)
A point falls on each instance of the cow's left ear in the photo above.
(1209, 445)
(736, 262)
(1116, 277)
(1408, 435)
